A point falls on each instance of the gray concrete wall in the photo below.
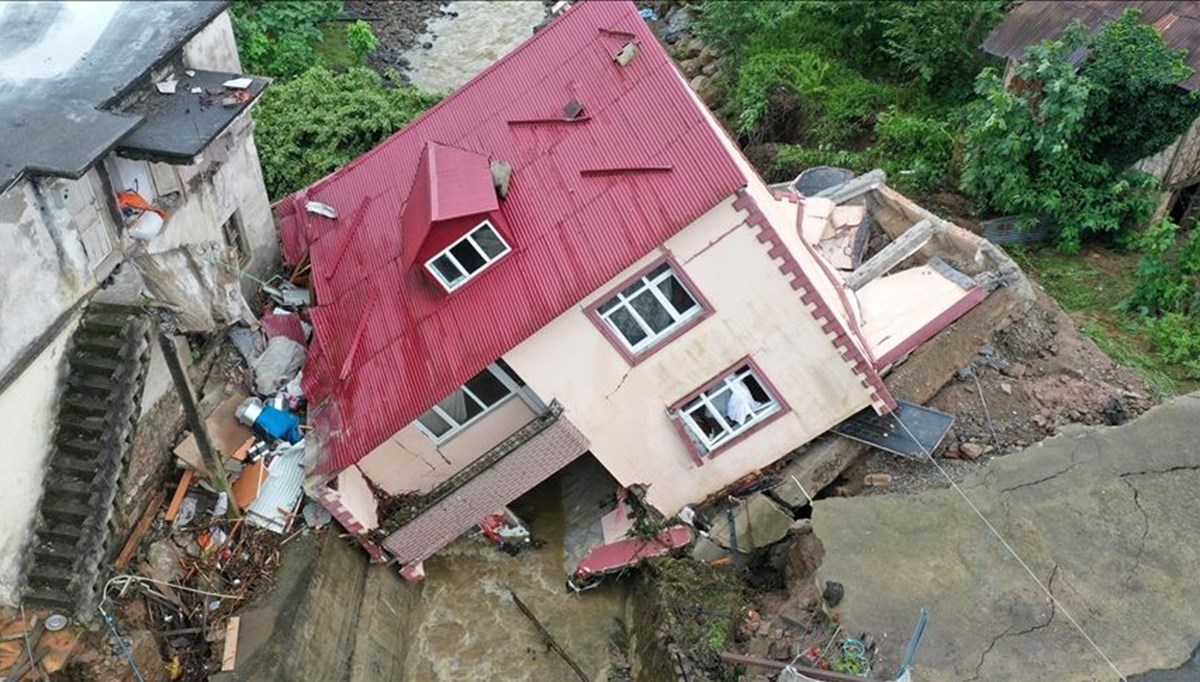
(331, 617)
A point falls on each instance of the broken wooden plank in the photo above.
(139, 531)
(19, 672)
(229, 657)
(550, 641)
(180, 493)
(892, 255)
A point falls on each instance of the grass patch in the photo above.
(334, 48)
(1090, 287)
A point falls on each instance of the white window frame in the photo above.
(730, 430)
(468, 238)
(624, 303)
(456, 428)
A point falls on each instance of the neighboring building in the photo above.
(569, 255)
(90, 131)
(1177, 166)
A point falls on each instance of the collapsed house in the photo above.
(128, 175)
(569, 259)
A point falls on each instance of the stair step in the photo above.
(85, 467)
(90, 384)
(70, 484)
(83, 448)
(100, 344)
(56, 552)
(70, 533)
(97, 321)
(83, 404)
(51, 597)
(51, 576)
(89, 427)
(94, 363)
(66, 510)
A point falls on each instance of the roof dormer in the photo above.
(451, 220)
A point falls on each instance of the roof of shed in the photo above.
(1032, 22)
(589, 196)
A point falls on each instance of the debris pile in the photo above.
(202, 552)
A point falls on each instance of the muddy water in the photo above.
(471, 630)
(464, 45)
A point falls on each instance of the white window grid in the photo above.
(651, 284)
(468, 238)
(729, 430)
(457, 427)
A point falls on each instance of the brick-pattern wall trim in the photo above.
(818, 307)
(333, 504)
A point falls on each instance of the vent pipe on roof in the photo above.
(626, 55)
(501, 176)
(573, 109)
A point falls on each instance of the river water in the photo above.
(470, 629)
(463, 45)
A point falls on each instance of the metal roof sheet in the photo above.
(1032, 22)
(390, 342)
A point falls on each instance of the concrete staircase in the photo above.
(97, 416)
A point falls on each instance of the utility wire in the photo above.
(1055, 600)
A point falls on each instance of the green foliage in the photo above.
(362, 41)
(319, 121)
(1166, 293)
(277, 37)
(1056, 146)
(936, 42)
(801, 72)
(699, 606)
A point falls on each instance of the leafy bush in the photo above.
(801, 72)
(319, 121)
(362, 41)
(1056, 145)
(276, 37)
(936, 42)
(1166, 292)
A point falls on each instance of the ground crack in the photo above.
(1040, 480)
(1137, 559)
(1008, 632)
(1151, 472)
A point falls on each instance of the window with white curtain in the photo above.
(729, 407)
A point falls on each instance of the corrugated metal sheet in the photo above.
(1032, 22)
(571, 233)
(280, 493)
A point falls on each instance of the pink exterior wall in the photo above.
(622, 410)
(410, 461)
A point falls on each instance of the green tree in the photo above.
(277, 38)
(361, 40)
(936, 42)
(319, 121)
(1056, 145)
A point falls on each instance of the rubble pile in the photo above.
(213, 544)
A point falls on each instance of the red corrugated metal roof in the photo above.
(409, 343)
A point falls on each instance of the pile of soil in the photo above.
(1036, 376)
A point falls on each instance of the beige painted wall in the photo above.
(410, 461)
(623, 410)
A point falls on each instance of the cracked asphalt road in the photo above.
(1107, 517)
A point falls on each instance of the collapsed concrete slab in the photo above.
(1105, 517)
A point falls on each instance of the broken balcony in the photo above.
(414, 526)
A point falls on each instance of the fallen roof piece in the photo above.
(895, 432)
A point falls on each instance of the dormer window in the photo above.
(455, 265)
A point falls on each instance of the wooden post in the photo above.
(209, 457)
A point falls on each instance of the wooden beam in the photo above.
(229, 657)
(892, 255)
(180, 493)
(139, 531)
(546, 637)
